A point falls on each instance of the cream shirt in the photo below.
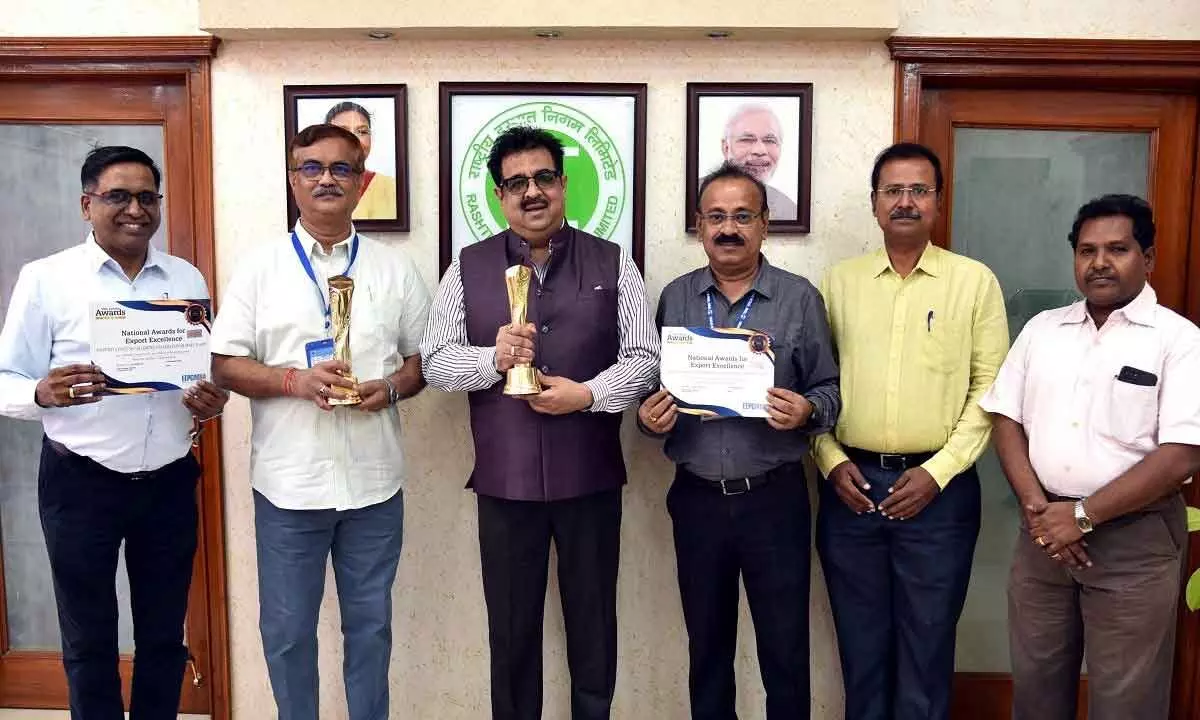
(304, 458)
(1085, 426)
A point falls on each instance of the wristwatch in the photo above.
(393, 395)
(1082, 521)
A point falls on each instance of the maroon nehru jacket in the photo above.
(521, 454)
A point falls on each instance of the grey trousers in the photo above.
(1119, 614)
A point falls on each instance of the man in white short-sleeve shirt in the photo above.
(1096, 416)
(327, 478)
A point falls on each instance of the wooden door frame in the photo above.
(1053, 64)
(184, 61)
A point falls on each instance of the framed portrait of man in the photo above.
(603, 131)
(378, 116)
(763, 128)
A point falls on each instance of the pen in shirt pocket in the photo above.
(929, 321)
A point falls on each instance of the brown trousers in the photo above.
(1119, 614)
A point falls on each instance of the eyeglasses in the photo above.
(313, 170)
(895, 192)
(122, 198)
(741, 218)
(518, 184)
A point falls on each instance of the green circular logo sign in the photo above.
(596, 189)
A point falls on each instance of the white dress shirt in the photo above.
(1085, 426)
(302, 457)
(48, 327)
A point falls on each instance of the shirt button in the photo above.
(546, 369)
(1067, 468)
(546, 328)
(1074, 424)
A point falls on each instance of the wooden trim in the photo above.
(212, 491)
(138, 50)
(1043, 50)
(988, 695)
(1185, 692)
(183, 64)
(924, 64)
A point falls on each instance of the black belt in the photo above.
(740, 485)
(897, 462)
(65, 452)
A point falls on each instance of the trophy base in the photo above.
(522, 380)
(352, 397)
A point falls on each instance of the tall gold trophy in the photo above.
(341, 290)
(522, 378)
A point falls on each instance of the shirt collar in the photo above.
(1140, 310)
(314, 247)
(97, 258)
(930, 262)
(764, 280)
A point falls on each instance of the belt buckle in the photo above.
(726, 491)
(894, 462)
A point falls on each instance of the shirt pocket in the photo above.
(940, 348)
(1131, 413)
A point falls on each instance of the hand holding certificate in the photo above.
(718, 372)
(146, 346)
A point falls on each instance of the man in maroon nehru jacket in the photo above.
(547, 466)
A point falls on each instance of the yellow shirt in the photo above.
(379, 200)
(916, 355)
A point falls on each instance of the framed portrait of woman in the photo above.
(378, 116)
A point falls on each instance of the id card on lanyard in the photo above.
(321, 350)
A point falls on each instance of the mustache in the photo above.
(534, 204)
(905, 214)
(1098, 276)
(729, 239)
(328, 190)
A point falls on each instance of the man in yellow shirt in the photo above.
(920, 334)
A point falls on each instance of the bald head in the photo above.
(753, 140)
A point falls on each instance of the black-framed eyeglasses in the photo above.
(518, 184)
(313, 170)
(916, 192)
(741, 218)
(122, 198)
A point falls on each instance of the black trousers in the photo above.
(763, 537)
(514, 546)
(87, 511)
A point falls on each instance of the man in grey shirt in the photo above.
(739, 504)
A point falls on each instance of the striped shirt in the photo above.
(451, 363)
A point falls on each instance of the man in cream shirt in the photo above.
(1096, 418)
(326, 479)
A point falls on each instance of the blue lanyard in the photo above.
(741, 318)
(308, 269)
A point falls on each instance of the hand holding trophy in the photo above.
(341, 291)
(521, 379)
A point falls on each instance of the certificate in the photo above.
(145, 346)
(718, 372)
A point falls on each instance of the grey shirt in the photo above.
(789, 309)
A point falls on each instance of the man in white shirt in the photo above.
(113, 468)
(327, 480)
(1096, 416)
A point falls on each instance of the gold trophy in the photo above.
(522, 378)
(341, 290)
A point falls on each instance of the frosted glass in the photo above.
(39, 171)
(1015, 196)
